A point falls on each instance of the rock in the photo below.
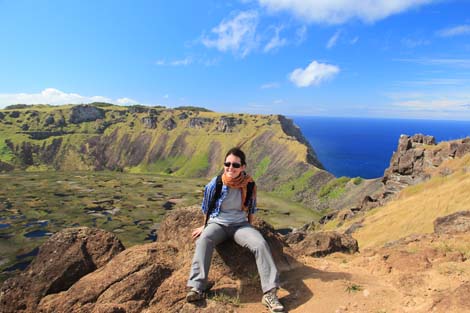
(24, 127)
(415, 157)
(2, 116)
(458, 222)
(150, 122)
(126, 284)
(199, 122)
(183, 116)
(226, 124)
(324, 243)
(295, 237)
(62, 260)
(169, 124)
(49, 120)
(85, 113)
(15, 114)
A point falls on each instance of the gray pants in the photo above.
(244, 235)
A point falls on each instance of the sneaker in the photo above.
(195, 295)
(271, 300)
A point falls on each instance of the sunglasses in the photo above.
(234, 165)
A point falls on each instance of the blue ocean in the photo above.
(362, 146)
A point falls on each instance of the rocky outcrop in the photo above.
(49, 120)
(199, 122)
(149, 122)
(14, 114)
(227, 124)
(169, 124)
(318, 244)
(458, 222)
(85, 113)
(415, 157)
(75, 271)
(62, 260)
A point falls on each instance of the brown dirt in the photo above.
(415, 276)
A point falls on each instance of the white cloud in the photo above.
(341, 11)
(313, 74)
(166, 96)
(436, 103)
(454, 31)
(181, 62)
(237, 34)
(354, 40)
(126, 101)
(278, 101)
(276, 41)
(332, 41)
(270, 85)
(54, 96)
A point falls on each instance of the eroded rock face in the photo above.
(199, 122)
(226, 124)
(85, 113)
(459, 222)
(62, 260)
(323, 243)
(169, 124)
(417, 154)
(150, 122)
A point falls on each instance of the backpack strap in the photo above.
(218, 191)
(249, 192)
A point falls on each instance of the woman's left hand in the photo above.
(196, 232)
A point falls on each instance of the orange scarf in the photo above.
(240, 182)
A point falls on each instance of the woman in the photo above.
(231, 217)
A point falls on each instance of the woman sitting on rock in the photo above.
(230, 216)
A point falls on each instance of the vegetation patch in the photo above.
(262, 167)
(333, 189)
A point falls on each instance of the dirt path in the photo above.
(332, 285)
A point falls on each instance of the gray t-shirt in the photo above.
(230, 210)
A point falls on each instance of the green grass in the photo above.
(262, 167)
(333, 189)
(6, 155)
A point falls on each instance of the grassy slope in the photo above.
(416, 207)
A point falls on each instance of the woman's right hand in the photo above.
(196, 232)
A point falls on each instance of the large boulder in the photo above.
(319, 244)
(458, 222)
(126, 284)
(62, 260)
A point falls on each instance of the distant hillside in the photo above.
(184, 142)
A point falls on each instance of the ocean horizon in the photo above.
(364, 146)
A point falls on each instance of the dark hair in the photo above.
(237, 152)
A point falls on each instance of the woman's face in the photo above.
(231, 170)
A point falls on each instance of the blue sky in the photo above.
(383, 58)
